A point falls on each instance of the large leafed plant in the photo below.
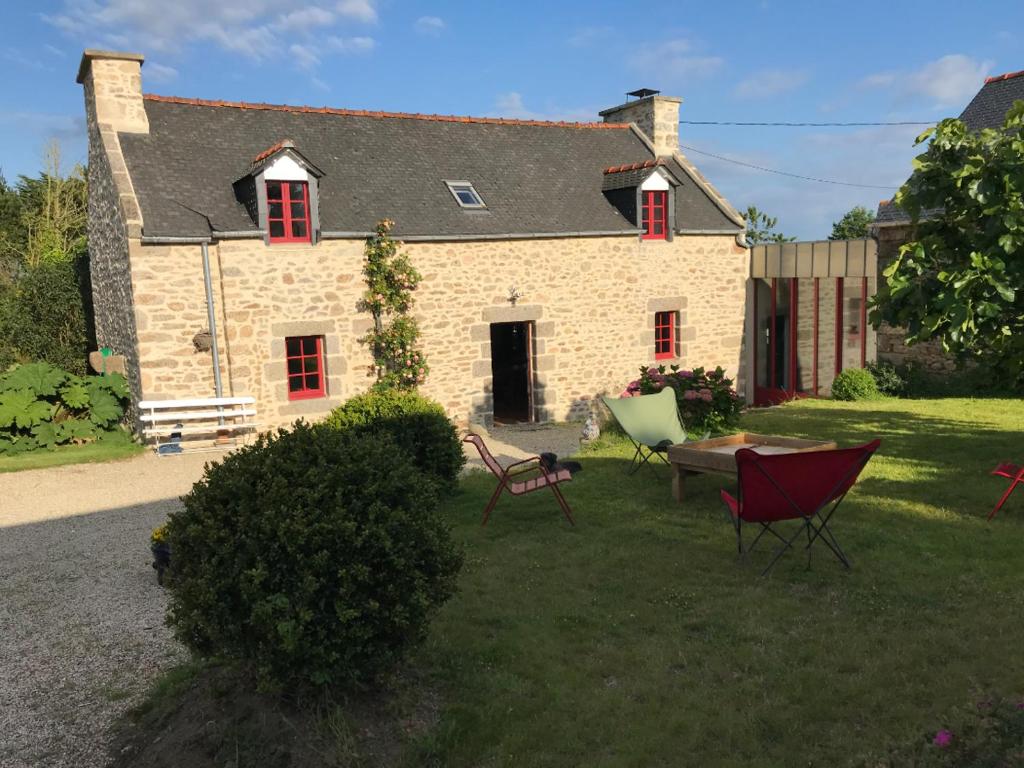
(42, 406)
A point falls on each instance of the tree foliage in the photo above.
(761, 228)
(44, 289)
(960, 279)
(854, 224)
(390, 282)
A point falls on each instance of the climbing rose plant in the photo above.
(390, 282)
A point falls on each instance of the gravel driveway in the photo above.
(82, 631)
(81, 616)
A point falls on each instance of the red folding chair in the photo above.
(508, 478)
(806, 486)
(1013, 473)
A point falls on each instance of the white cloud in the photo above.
(676, 60)
(305, 18)
(511, 105)
(770, 82)
(160, 73)
(351, 45)
(429, 25)
(256, 29)
(304, 56)
(949, 81)
(360, 10)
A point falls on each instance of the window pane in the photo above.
(295, 190)
(277, 229)
(273, 190)
(298, 210)
(658, 227)
(311, 364)
(294, 365)
(313, 381)
(298, 229)
(309, 345)
(293, 346)
(276, 211)
(295, 384)
(466, 197)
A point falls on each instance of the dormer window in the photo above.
(288, 211)
(654, 218)
(465, 195)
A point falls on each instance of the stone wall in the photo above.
(591, 300)
(892, 346)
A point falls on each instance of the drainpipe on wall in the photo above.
(212, 319)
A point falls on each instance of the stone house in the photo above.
(893, 228)
(623, 253)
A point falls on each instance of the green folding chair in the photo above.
(651, 422)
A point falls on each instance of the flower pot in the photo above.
(161, 559)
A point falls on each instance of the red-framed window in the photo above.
(664, 335)
(654, 215)
(288, 211)
(305, 361)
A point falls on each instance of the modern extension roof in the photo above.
(987, 109)
(536, 177)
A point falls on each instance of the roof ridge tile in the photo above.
(378, 114)
(1004, 76)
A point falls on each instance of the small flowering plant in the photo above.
(707, 400)
(390, 282)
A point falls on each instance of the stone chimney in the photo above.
(656, 115)
(113, 89)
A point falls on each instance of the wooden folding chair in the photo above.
(508, 478)
(1016, 476)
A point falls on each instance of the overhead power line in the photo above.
(807, 125)
(786, 173)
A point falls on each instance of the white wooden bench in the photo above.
(218, 416)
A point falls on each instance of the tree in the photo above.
(44, 289)
(761, 228)
(855, 224)
(390, 282)
(960, 279)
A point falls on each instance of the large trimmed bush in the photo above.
(417, 423)
(855, 384)
(314, 556)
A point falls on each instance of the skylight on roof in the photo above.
(465, 195)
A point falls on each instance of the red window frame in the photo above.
(304, 366)
(292, 199)
(664, 335)
(654, 215)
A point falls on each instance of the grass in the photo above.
(113, 446)
(638, 639)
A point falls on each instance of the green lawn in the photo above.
(116, 445)
(638, 639)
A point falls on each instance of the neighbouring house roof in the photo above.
(987, 109)
(536, 177)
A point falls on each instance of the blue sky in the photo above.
(756, 61)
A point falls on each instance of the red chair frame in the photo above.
(508, 478)
(807, 486)
(1013, 473)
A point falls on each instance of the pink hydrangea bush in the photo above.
(707, 400)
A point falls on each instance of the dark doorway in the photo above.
(512, 371)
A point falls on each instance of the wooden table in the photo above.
(718, 454)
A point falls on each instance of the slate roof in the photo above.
(987, 109)
(535, 177)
